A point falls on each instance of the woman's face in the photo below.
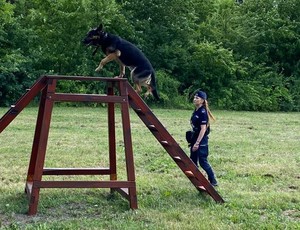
(198, 101)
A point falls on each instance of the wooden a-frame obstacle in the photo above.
(126, 97)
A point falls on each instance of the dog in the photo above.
(125, 54)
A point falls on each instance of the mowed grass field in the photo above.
(256, 158)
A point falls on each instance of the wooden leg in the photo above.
(128, 150)
(112, 138)
(39, 147)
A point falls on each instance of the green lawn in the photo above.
(256, 157)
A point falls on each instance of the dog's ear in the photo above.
(100, 27)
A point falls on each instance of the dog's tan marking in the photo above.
(122, 68)
(146, 81)
(110, 57)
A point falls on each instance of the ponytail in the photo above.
(210, 115)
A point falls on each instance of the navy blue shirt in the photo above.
(199, 117)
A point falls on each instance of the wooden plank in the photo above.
(87, 98)
(128, 146)
(86, 78)
(39, 147)
(76, 171)
(111, 120)
(84, 184)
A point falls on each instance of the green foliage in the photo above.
(169, 91)
(211, 68)
(236, 52)
(13, 77)
(257, 88)
(6, 13)
(268, 42)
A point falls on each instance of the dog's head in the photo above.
(95, 37)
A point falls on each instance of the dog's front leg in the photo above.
(104, 61)
(122, 68)
(108, 58)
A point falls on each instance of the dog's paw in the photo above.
(98, 68)
(120, 76)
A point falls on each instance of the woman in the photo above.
(200, 124)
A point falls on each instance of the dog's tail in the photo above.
(153, 86)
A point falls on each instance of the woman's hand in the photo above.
(201, 134)
(195, 147)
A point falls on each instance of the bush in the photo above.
(168, 89)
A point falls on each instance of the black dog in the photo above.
(126, 54)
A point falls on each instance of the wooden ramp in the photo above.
(170, 145)
(46, 85)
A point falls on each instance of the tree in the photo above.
(13, 78)
(245, 55)
(258, 35)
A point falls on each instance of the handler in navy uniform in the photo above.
(200, 124)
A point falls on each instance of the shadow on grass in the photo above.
(58, 205)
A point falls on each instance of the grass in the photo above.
(256, 157)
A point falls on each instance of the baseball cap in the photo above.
(201, 94)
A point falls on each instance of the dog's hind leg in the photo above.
(137, 84)
(138, 88)
(149, 91)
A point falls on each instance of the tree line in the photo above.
(244, 54)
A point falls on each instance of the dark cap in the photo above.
(201, 94)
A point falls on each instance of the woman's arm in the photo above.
(200, 136)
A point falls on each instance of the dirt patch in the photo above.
(17, 219)
(292, 214)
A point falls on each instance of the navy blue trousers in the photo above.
(200, 155)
